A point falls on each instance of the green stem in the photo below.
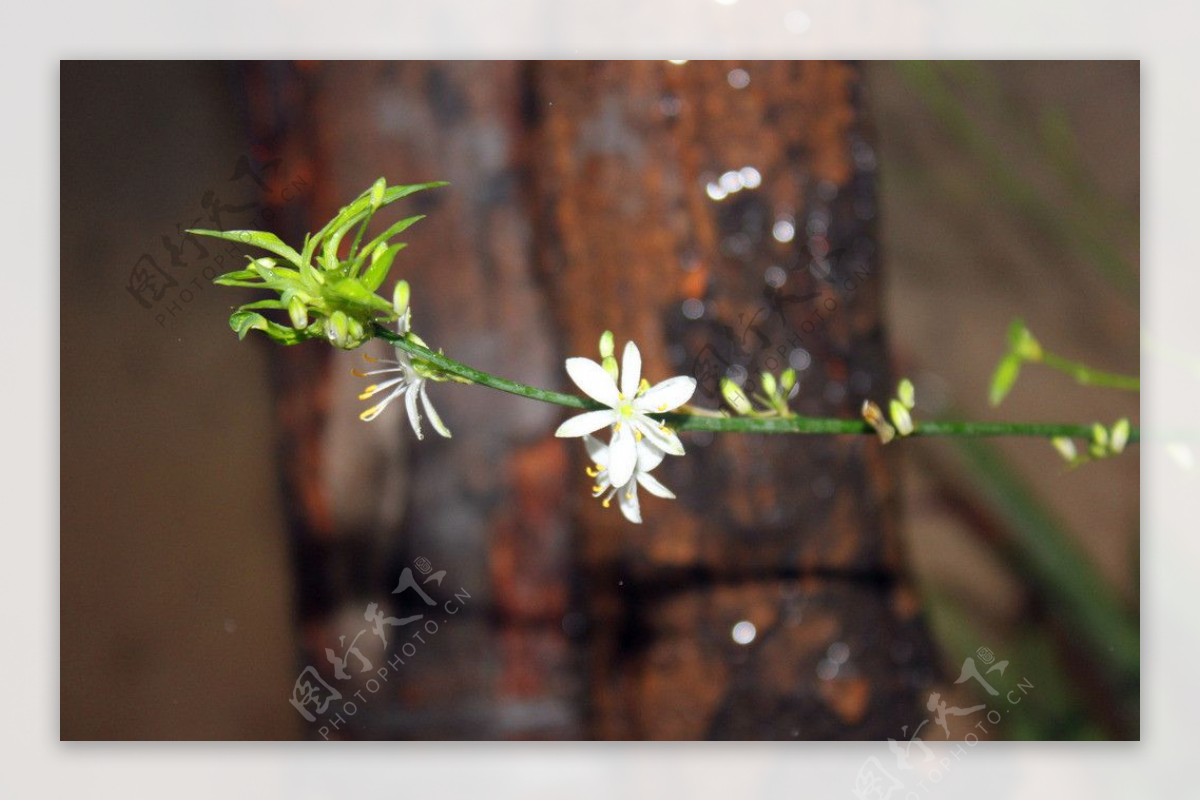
(1089, 376)
(707, 420)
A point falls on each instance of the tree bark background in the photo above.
(583, 197)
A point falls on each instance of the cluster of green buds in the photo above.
(773, 402)
(325, 294)
(900, 410)
(1104, 442)
(1022, 347)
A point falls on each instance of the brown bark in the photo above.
(578, 203)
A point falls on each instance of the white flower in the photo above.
(408, 382)
(648, 458)
(630, 407)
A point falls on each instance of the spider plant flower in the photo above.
(648, 458)
(408, 380)
(629, 408)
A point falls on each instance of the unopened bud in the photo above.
(377, 193)
(606, 344)
(1119, 436)
(734, 396)
(610, 366)
(787, 379)
(298, 311)
(768, 385)
(400, 298)
(906, 393)
(901, 417)
(1065, 447)
(337, 329)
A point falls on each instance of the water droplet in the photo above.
(799, 359)
(739, 78)
(784, 230)
(751, 178)
(693, 308)
(775, 276)
(797, 21)
(744, 632)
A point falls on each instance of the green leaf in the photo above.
(1004, 378)
(243, 322)
(358, 206)
(380, 267)
(352, 290)
(263, 304)
(259, 239)
(369, 248)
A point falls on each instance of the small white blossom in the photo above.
(629, 408)
(648, 458)
(408, 382)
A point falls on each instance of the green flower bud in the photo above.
(606, 344)
(787, 379)
(768, 385)
(1119, 436)
(901, 417)
(377, 193)
(734, 396)
(610, 366)
(906, 393)
(337, 329)
(1065, 447)
(400, 298)
(298, 311)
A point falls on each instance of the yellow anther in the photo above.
(597, 489)
(368, 413)
(368, 357)
(662, 408)
(616, 426)
(591, 471)
(642, 387)
(629, 495)
(620, 396)
(368, 392)
(358, 373)
(637, 434)
(663, 428)
(605, 503)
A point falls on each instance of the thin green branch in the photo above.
(707, 420)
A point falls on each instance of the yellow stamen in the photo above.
(637, 434)
(663, 428)
(592, 472)
(629, 495)
(642, 387)
(597, 489)
(616, 426)
(358, 373)
(620, 396)
(368, 357)
(662, 408)
(368, 392)
(606, 502)
(367, 413)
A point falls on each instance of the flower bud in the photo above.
(768, 385)
(606, 344)
(610, 366)
(787, 379)
(734, 396)
(337, 329)
(874, 417)
(377, 191)
(901, 417)
(298, 311)
(1065, 447)
(906, 393)
(400, 298)
(1119, 436)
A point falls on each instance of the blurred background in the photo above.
(233, 536)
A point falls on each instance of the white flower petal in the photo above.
(593, 380)
(414, 416)
(666, 441)
(654, 486)
(622, 456)
(434, 418)
(597, 450)
(650, 455)
(627, 499)
(631, 370)
(667, 395)
(586, 423)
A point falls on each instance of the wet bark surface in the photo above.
(721, 215)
